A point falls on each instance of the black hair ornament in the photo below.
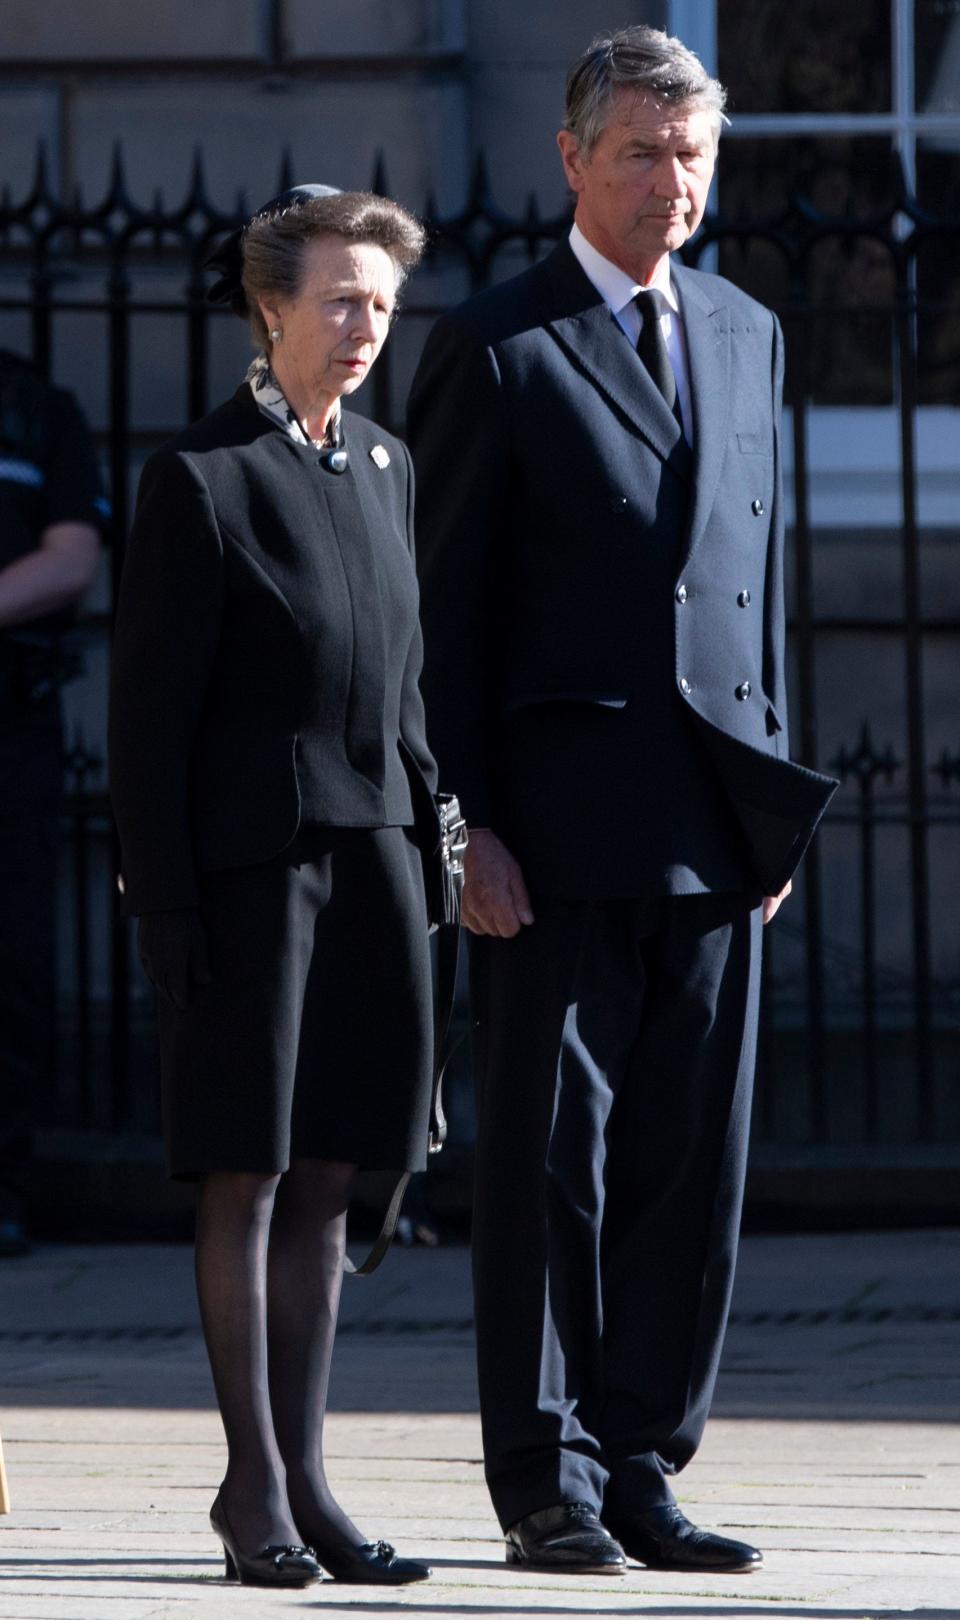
(227, 257)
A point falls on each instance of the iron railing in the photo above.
(854, 1020)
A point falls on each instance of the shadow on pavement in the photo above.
(504, 1601)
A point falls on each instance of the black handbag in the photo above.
(442, 837)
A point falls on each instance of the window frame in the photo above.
(695, 21)
(869, 432)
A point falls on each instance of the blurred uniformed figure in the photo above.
(52, 512)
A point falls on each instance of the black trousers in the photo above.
(615, 1057)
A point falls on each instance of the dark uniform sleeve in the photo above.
(165, 643)
(74, 490)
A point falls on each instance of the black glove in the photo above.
(173, 950)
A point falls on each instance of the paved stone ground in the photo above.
(834, 1443)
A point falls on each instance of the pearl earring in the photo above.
(276, 335)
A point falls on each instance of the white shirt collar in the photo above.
(615, 286)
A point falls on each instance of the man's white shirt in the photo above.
(618, 292)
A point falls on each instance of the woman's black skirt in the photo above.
(314, 1038)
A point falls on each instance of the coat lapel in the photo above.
(588, 333)
(707, 332)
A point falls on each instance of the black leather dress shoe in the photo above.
(662, 1538)
(567, 1537)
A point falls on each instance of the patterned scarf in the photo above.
(272, 402)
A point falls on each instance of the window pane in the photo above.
(938, 272)
(808, 56)
(837, 298)
(839, 174)
(937, 25)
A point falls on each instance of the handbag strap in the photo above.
(448, 959)
(385, 1234)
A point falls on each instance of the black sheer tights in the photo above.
(269, 1266)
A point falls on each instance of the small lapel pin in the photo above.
(379, 457)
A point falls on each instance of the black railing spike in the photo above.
(480, 184)
(864, 761)
(531, 221)
(197, 188)
(41, 174)
(285, 180)
(117, 193)
(947, 767)
(380, 185)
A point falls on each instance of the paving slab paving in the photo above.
(834, 1444)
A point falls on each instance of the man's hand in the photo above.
(495, 898)
(772, 902)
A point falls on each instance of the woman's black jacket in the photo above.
(267, 651)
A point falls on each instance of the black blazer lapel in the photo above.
(590, 335)
(706, 329)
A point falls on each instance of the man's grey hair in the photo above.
(643, 59)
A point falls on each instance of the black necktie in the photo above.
(652, 348)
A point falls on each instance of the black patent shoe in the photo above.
(273, 1566)
(663, 1538)
(567, 1537)
(373, 1563)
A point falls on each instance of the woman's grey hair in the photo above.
(640, 59)
(274, 243)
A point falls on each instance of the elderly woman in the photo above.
(267, 748)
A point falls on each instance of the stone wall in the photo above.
(423, 85)
(428, 82)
